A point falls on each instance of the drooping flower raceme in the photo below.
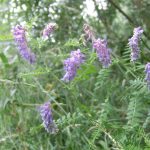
(147, 71)
(134, 43)
(19, 33)
(103, 52)
(48, 30)
(72, 64)
(46, 114)
(89, 34)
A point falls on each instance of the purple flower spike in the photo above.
(20, 38)
(72, 64)
(46, 114)
(147, 71)
(89, 34)
(102, 52)
(133, 43)
(48, 30)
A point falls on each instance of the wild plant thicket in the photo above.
(71, 81)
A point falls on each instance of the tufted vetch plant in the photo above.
(134, 43)
(19, 33)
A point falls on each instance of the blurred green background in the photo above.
(101, 109)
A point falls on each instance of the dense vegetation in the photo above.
(101, 108)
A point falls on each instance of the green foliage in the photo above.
(105, 109)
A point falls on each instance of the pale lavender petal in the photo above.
(48, 30)
(134, 43)
(46, 114)
(102, 52)
(20, 38)
(147, 71)
(72, 64)
(89, 34)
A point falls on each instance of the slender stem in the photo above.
(13, 82)
(122, 12)
(8, 137)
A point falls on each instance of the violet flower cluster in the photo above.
(103, 52)
(48, 30)
(147, 71)
(46, 114)
(19, 33)
(134, 43)
(72, 64)
(89, 34)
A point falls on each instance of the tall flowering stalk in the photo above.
(46, 114)
(134, 43)
(72, 64)
(48, 30)
(19, 33)
(147, 71)
(89, 34)
(102, 52)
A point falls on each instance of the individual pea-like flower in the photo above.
(102, 52)
(46, 115)
(19, 33)
(72, 64)
(147, 71)
(49, 28)
(89, 34)
(134, 43)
